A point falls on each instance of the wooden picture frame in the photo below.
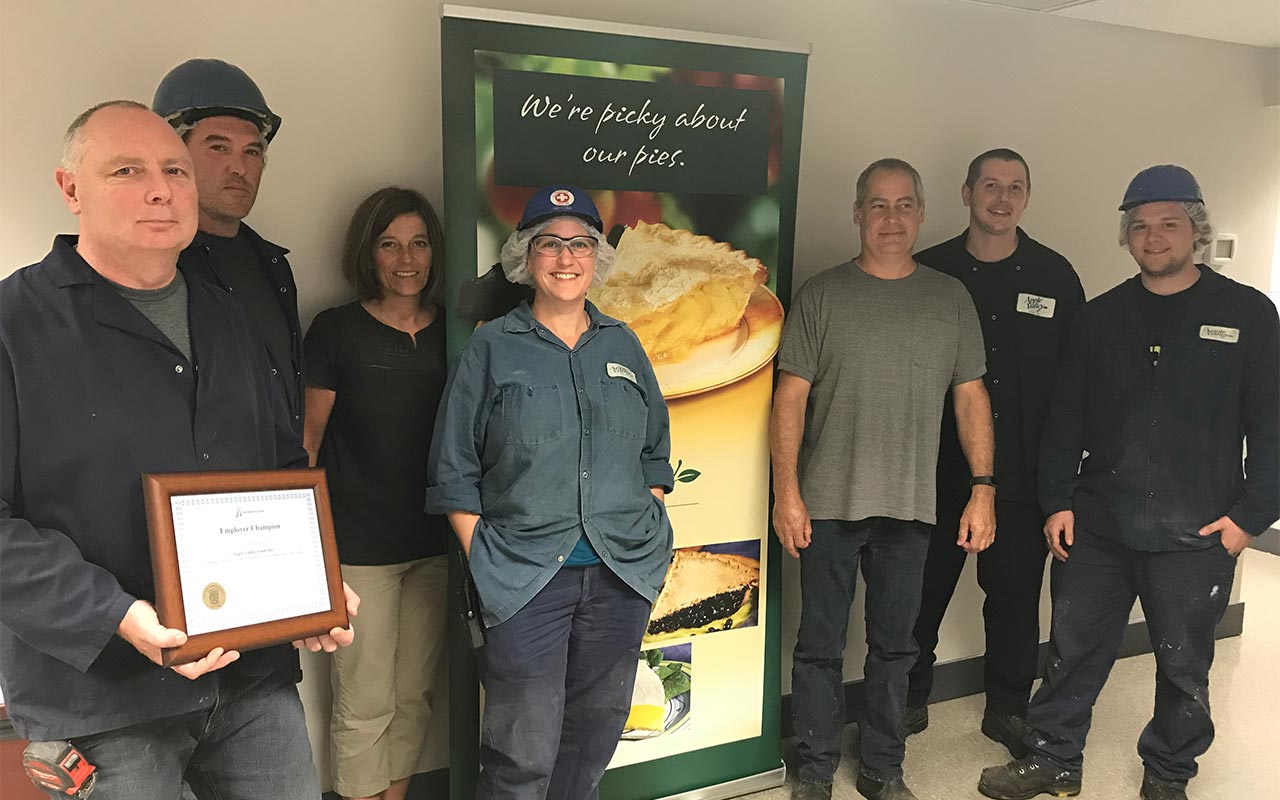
(218, 489)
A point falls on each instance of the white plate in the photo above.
(730, 357)
(677, 715)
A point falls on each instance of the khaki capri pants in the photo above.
(383, 682)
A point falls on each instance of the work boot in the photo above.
(1009, 730)
(1155, 789)
(1026, 778)
(875, 789)
(807, 790)
(915, 720)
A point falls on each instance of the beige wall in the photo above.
(934, 82)
(931, 81)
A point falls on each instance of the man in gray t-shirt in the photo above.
(869, 351)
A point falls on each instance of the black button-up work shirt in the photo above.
(92, 395)
(1025, 305)
(1163, 444)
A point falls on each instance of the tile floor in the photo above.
(1244, 763)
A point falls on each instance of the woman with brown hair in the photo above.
(375, 372)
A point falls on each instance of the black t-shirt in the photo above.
(375, 446)
(236, 261)
(1156, 311)
(1025, 304)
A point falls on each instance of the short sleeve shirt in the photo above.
(386, 392)
(881, 356)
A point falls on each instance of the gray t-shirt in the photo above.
(881, 355)
(166, 307)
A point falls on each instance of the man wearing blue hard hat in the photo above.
(1167, 377)
(222, 116)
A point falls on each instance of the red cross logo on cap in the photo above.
(562, 197)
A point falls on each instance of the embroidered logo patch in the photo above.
(562, 197)
(1035, 305)
(616, 370)
(1217, 333)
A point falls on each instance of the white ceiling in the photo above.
(1255, 22)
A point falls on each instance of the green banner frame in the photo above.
(464, 31)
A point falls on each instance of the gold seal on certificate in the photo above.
(215, 596)
(243, 560)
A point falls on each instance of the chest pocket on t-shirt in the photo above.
(530, 414)
(933, 345)
(625, 412)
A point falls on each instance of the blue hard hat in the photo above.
(1161, 183)
(207, 87)
(560, 200)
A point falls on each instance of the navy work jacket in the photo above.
(92, 395)
(1165, 443)
(195, 261)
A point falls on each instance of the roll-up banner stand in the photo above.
(689, 143)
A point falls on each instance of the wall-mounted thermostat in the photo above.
(1221, 250)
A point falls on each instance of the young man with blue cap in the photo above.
(1167, 377)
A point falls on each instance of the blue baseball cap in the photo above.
(1161, 183)
(560, 201)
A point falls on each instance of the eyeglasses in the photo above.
(548, 244)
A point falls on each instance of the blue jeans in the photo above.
(250, 744)
(557, 679)
(891, 554)
(1184, 595)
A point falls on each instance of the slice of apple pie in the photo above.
(677, 289)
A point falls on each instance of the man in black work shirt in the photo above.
(1026, 295)
(220, 113)
(1166, 378)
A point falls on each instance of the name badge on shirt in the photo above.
(1035, 305)
(616, 370)
(1217, 333)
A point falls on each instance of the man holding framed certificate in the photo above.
(112, 364)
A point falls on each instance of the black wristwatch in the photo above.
(984, 480)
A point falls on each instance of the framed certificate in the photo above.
(242, 560)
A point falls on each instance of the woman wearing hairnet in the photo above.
(551, 459)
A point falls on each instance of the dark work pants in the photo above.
(1184, 595)
(1010, 573)
(891, 554)
(557, 679)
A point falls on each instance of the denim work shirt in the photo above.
(547, 444)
